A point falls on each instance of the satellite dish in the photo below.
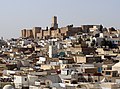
(8, 87)
(48, 82)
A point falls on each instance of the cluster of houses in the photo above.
(89, 59)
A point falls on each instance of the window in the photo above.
(66, 81)
(74, 82)
(114, 74)
(108, 73)
(25, 79)
(109, 68)
(42, 83)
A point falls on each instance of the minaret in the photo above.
(54, 22)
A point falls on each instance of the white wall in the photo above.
(19, 81)
(52, 50)
(32, 79)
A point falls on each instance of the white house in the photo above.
(41, 60)
(24, 80)
(116, 67)
(52, 51)
(20, 81)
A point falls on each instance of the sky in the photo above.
(16, 15)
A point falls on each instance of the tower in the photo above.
(23, 33)
(54, 22)
(52, 51)
(36, 30)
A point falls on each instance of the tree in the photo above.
(80, 39)
(93, 43)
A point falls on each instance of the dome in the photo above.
(8, 87)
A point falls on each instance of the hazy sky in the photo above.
(19, 14)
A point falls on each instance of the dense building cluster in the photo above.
(85, 57)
